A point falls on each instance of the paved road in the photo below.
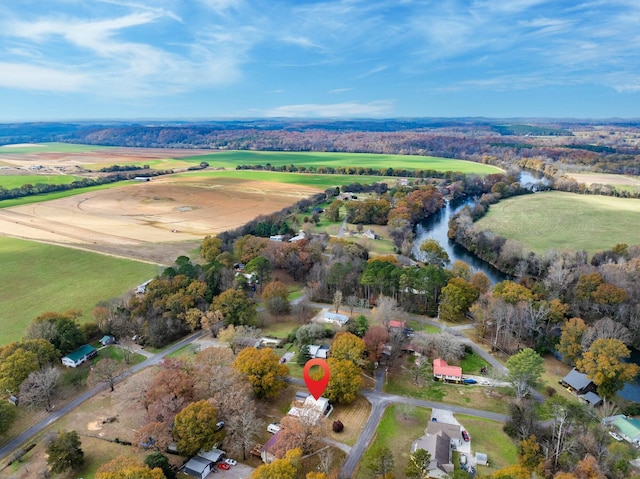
(53, 416)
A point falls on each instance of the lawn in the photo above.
(36, 278)
(399, 427)
(16, 181)
(488, 437)
(565, 221)
(366, 160)
(458, 394)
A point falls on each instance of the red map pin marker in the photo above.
(317, 387)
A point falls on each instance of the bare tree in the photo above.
(325, 459)
(240, 414)
(337, 300)
(419, 370)
(40, 387)
(105, 371)
(606, 328)
(387, 309)
(352, 302)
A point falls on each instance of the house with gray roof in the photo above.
(439, 446)
(582, 386)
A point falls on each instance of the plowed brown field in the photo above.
(156, 220)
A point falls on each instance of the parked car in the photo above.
(465, 435)
(616, 436)
(274, 427)
(224, 465)
(469, 381)
(219, 425)
(231, 462)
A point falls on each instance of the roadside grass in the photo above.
(420, 326)
(488, 437)
(116, 353)
(399, 427)
(16, 181)
(366, 160)
(569, 221)
(37, 277)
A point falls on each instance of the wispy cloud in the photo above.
(336, 91)
(335, 110)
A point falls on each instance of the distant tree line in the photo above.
(29, 189)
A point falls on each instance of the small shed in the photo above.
(107, 339)
(481, 459)
(79, 356)
(317, 351)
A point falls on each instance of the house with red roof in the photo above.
(442, 371)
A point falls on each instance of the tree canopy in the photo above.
(525, 369)
(263, 369)
(195, 428)
(65, 452)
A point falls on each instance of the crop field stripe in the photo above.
(51, 148)
(16, 181)
(38, 277)
(26, 200)
(561, 221)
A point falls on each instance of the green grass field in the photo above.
(16, 181)
(36, 277)
(276, 158)
(487, 436)
(50, 148)
(565, 221)
(55, 195)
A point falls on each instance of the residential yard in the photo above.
(399, 427)
(488, 437)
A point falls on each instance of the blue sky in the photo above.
(198, 59)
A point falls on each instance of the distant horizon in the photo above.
(205, 59)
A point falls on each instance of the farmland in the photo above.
(16, 181)
(37, 277)
(565, 221)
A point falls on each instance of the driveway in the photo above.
(239, 471)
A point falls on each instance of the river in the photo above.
(436, 227)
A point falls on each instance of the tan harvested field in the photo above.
(156, 220)
(606, 179)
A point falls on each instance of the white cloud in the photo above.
(221, 6)
(31, 77)
(339, 90)
(348, 110)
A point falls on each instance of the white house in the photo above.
(311, 409)
(318, 352)
(79, 356)
(335, 318)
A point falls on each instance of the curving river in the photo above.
(436, 227)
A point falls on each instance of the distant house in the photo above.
(629, 429)
(439, 446)
(142, 178)
(141, 289)
(276, 238)
(79, 356)
(578, 383)
(311, 410)
(318, 352)
(107, 339)
(444, 372)
(395, 324)
(299, 237)
(265, 451)
(583, 387)
(337, 318)
(370, 234)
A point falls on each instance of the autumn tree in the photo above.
(40, 387)
(60, 329)
(170, 390)
(127, 467)
(512, 292)
(348, 346)
(210, 248)
(233, 335)
(433, 253)
(235, 307)
(276, 298)
(195, 428)
(418, 465)
(456, 299)
(525, 369)
(159, 460)
(570, 345)
(249, 247)
(374, 340)
(305, 431)
(65, 453)
(285, 468)
(604, 364)
(263, 369)
(15, 367)
(345, 381)
(105, 371)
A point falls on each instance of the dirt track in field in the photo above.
(155, 221)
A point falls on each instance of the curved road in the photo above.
(22, 438)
